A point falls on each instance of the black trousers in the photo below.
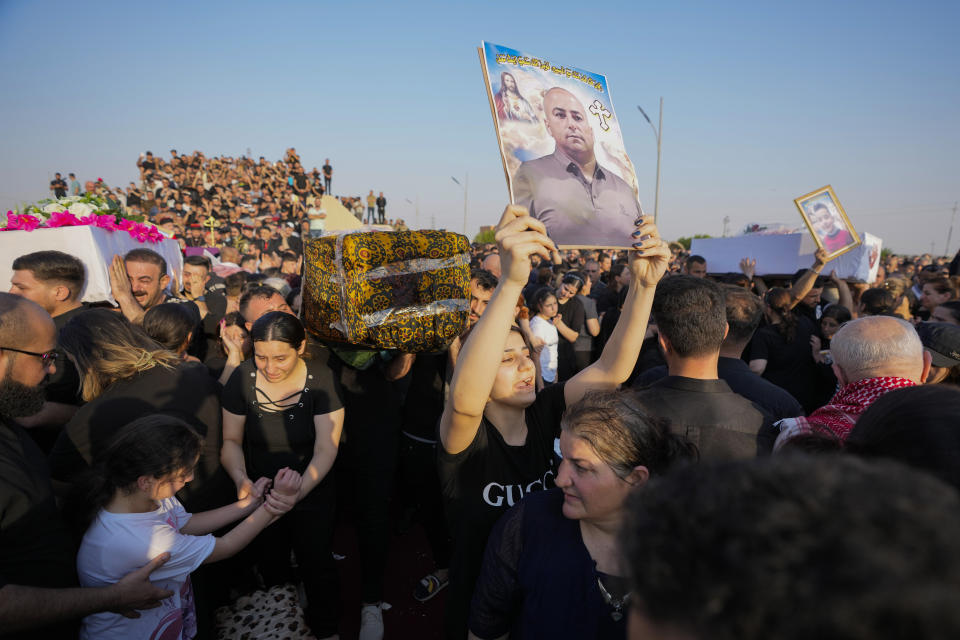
(420, 487)
(308, 532)
(369, 464)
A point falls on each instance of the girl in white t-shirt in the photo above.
(545, 332)
(135, 517)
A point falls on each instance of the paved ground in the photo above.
(409, 560)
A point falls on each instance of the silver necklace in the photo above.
(617, 613)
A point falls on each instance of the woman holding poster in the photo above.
(571, 172)
(497, 433)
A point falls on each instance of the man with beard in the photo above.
(54, 280)
(138, 282)
(38, 592)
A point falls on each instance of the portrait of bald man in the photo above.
(580, 202)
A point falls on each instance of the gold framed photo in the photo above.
(828, 222)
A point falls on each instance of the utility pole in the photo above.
(726, 222)
(464, 186)
(656, 201)
(656, 132)
(946, 249)
(416, 209)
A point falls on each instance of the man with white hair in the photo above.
(871, 356)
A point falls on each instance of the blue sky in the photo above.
(763, 102)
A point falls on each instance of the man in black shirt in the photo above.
(744, 311)
(381, 208)
(38, 593)
(691, 319)
(327, 176)
(55, 281)
(59, 187)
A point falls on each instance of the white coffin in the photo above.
(95, 247)
(784, 254)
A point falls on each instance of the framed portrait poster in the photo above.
(562, 148)
(828, 222)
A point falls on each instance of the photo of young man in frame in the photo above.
(828, 222)
(562, 149)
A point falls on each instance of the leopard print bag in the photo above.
(274, 614)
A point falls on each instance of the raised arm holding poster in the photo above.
(562, 149)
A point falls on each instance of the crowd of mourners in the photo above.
(619, 444)
(254, 206)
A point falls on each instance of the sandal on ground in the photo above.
(428, 587)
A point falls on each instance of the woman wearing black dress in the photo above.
(280, 410)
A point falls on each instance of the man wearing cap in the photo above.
(942, 341)
(195, 236)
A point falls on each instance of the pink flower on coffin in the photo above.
(62, 219)
(22, 222)
(154, 236)
(139, 232)
(104, 222)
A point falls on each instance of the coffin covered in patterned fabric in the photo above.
(406, 290)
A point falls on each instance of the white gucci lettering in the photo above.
(495, 494)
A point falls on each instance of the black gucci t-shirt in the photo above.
(481, 482)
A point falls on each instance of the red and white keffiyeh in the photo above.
(844, 409)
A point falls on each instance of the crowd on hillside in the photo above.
(616, 437)
(229, 201)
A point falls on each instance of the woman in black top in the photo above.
(780, 351)
(280, 410)
(125, 375)
(572, 318)
(496, 433)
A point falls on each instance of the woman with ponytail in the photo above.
(125, 374)
(780, 351)
(611, 447)
(132, 515)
